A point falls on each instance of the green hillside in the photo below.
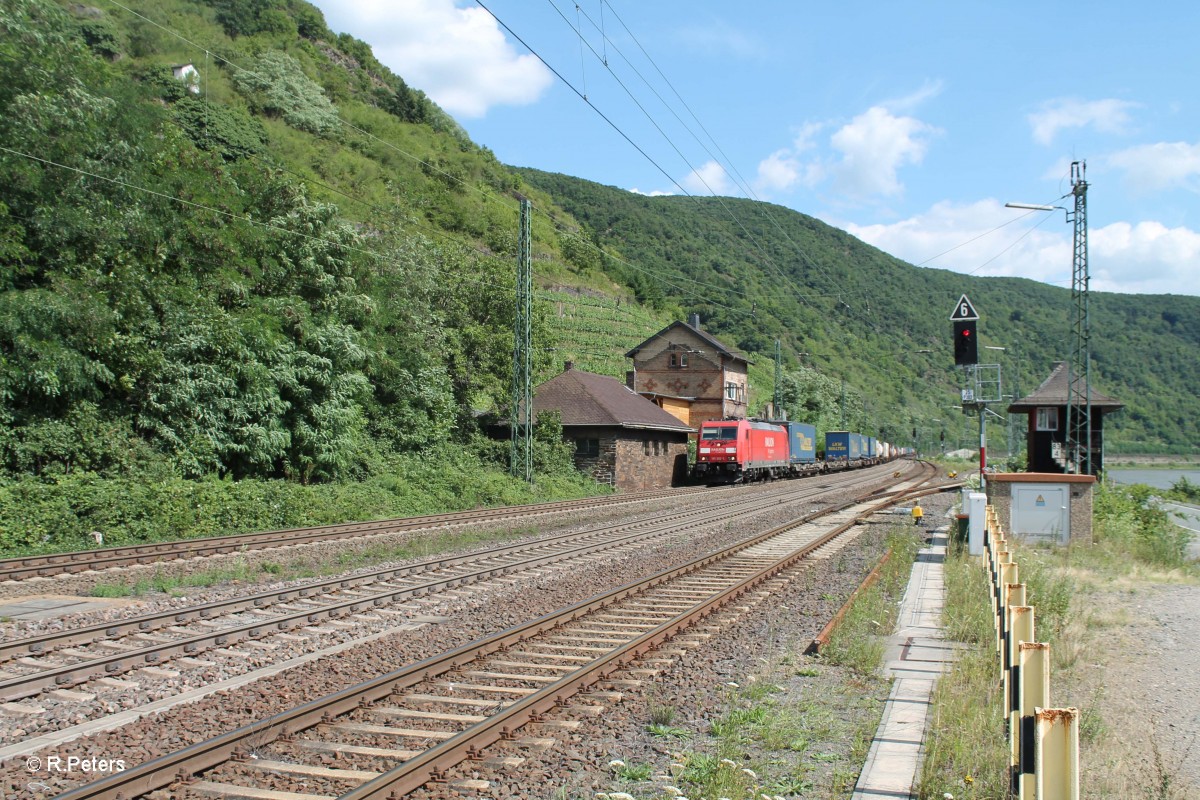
(289, 265)
(756, 272)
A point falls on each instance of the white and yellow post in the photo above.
(1056, 753)
(1033, 692)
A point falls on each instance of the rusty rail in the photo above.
(569, 545)
(23, 567)
(432, 764)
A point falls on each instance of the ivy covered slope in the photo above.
(301, 271)
(757, 272)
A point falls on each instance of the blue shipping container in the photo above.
(802, 442)
(837, 445)
(872, 447)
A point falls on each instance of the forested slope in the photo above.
(289, 265)
(757, 272)
(178, 287)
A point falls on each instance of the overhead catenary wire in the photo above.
(700, 293)
(728, 166)
(694, 170)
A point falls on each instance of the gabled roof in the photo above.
(1053, 392)
(583, 398)
(705, 337)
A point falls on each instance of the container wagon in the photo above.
(837, 449)
(802, 447)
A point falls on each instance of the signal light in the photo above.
(965, 349)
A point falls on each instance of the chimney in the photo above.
(694, 321)
(631, 379)
(568, 366)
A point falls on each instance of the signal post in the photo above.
(981, 384)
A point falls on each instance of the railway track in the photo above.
(483, 701)
(75, 656)
(49, 565)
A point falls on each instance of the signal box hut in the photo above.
(1047, 410)
(690, 373)
(620, 438)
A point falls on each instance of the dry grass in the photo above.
(1084, 597)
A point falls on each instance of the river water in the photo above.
(1158, 478)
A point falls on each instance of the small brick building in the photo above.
(1044, 507)
(620, 437)
(691, 373)
(1047, 410)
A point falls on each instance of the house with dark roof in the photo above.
(620, 438)
(1047, 410)
(691, 373)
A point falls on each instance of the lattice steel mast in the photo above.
(521, 421)
(777, 401)
(1079, 394)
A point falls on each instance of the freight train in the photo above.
(741, 450)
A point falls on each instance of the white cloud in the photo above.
(709, 178)
(779, 171)
(862, 158)
(962, 238)
(784, 169)
(652, 193)
(873, 147)
(911, 102)
(1110, 116)
(458, 56)
(1165, 165)
(1143, 258)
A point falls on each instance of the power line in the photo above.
(730, 169)
(762, 252)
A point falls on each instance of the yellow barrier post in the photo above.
(1008, 574)
(1020, 629)
(1032, 678)
(1056, 753)
(1014, 598)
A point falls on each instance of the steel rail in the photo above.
(154, 654)
(24, 567)
(431, 765)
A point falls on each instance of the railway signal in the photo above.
(966, 350)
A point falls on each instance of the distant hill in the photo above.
(233, 243)
(757, 271)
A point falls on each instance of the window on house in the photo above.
(733, 391)
(678, 360)
(645, 447)
(1047, 419)
(656, 445)
(587, 448)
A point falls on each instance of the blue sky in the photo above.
(909, 125)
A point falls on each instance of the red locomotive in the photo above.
(738, 450)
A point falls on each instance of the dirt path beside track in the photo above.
(1139, 692)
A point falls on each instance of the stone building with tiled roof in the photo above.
(692, 373)
(620, 438)
(1047, 410)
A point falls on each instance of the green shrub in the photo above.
(276, 83)
(1130, 521)
(59, 512)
